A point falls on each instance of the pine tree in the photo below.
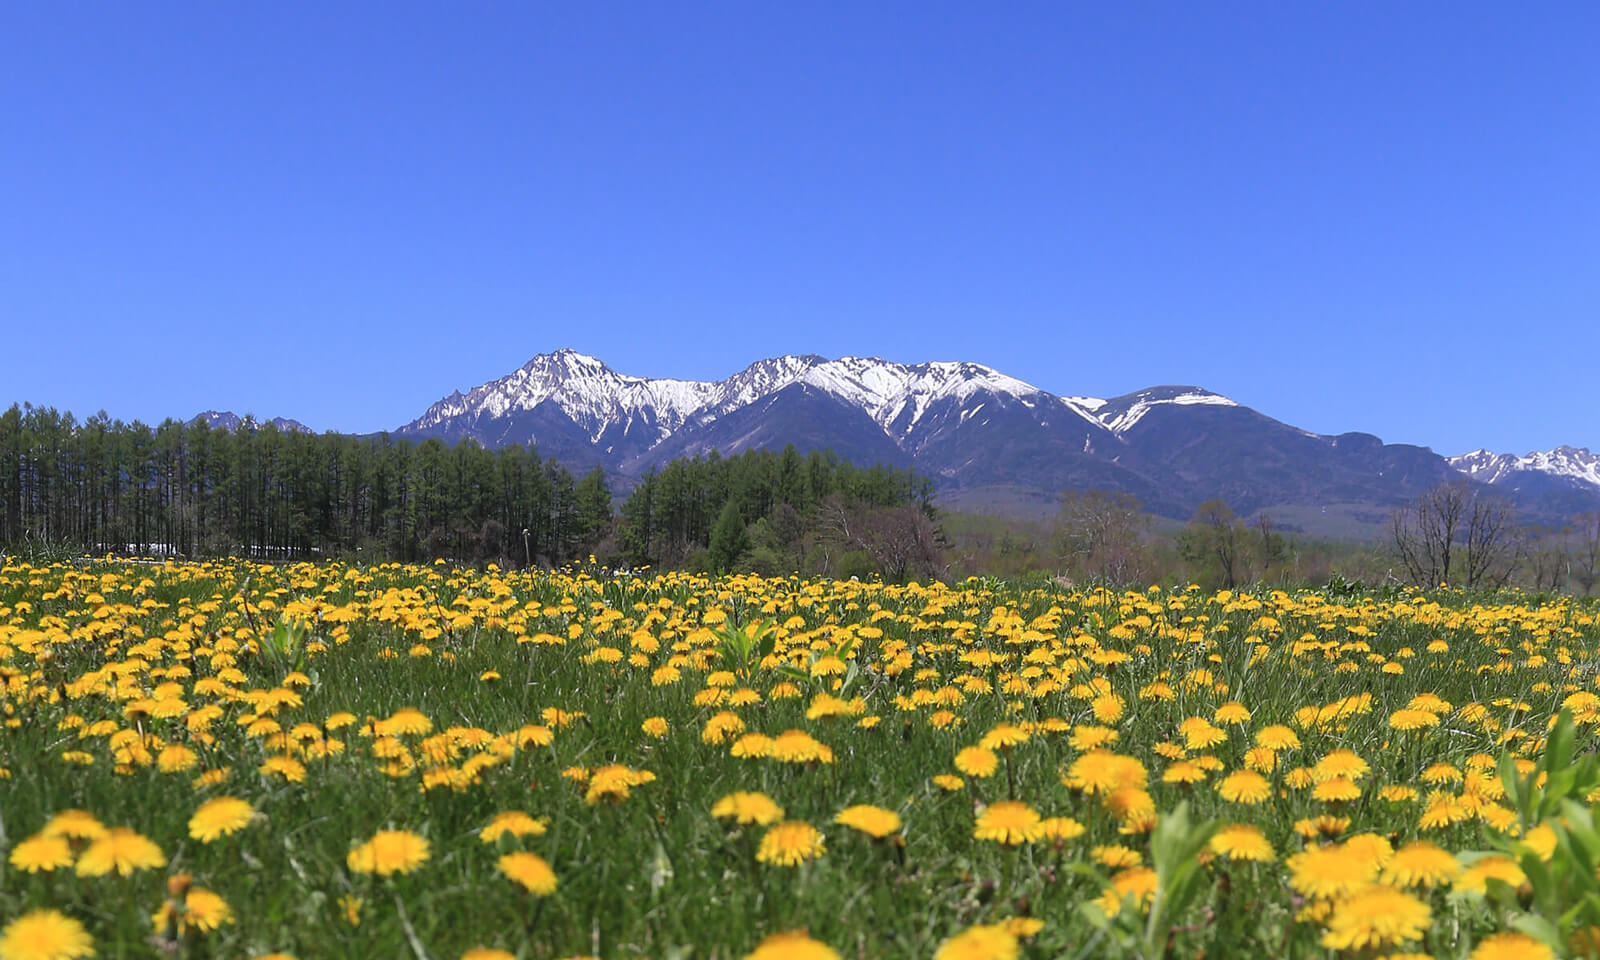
(728, 539)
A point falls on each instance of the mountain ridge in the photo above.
(972, 427)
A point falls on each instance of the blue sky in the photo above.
(1378, 217)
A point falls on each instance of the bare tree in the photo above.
(1425, 533)
(1586, 557)
(1101, 535)
(1493, 544)
(1549, 556)
(1453, 528)
(901, 541)
(1215, 535)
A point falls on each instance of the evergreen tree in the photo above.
(728, 539)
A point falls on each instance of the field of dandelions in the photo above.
(242, 760)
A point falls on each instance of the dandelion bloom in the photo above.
(871, 820)
(531, 871)
(748, 807)
(1421, 864)
(1003, 735)
(120, 851)
(1244, 786)
(284, 766)
(1199, 733)
(1370, 846)
(1329, 871)
(1336, 790)
(1008, 822)
(655, 726)
(45, 935)
(793, 945)
(1377, 916)
(947, 781)
(1278, 737)
(1240, 841)
(41, 853)
(514, 822)
(1232, 712)
(1101, 771)
(1340, 763)
(76, 824)
(202, 910)
(752, 745)
(981, 942)
(1060, 828)
(614, 782)
(406, 720)
(797, 746)
(1511, 946)
(389, 851)
(1184, 772)
(219, 818)
(1139, 883)
(1476, 877)
(790, 844)
(977, 762)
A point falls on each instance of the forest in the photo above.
(102, 486)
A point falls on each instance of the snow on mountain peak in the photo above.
(896, 396)
(1120, 415)
(1573, 463)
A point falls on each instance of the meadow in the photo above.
(232, 759)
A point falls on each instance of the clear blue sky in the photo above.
(1380, 217)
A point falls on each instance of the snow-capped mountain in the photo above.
(969, 426)
(1575, 465)
(978, 432)
(230, 421)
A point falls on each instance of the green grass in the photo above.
(655, 875)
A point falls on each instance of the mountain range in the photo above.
(987, 439)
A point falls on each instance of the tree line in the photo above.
(189, 490)
(184, 489)
(1453, 534)
(777, 512)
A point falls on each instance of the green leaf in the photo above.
(1539, 929)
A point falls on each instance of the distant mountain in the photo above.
(230, 421)
(982, 435)
(1566, 480)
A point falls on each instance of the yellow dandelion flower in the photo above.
(790, 844)
(529, 870)
(1511, 946)
(514, 822)
(1421, 864)
(120, 851)
(981, 942)
(45, 935)
(389, 851)
(1329, 872)
(74, 824)
(793, 945)
(874, 821)
(1374, 917)
(219, 818)
(1060, 828)
(748, 807)
(1240, 841)
(1244, 786)
(1009, 821)
(1336, 790)
(1476, 877)
(977, 762)
(41, 854)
